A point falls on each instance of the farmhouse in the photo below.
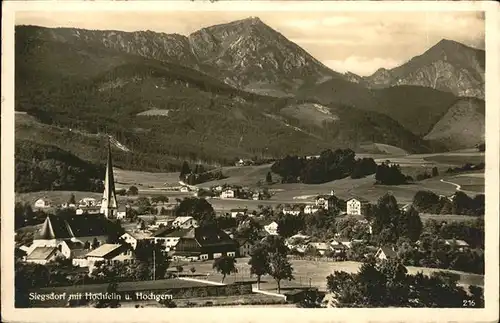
(109, 253)
(185, 189)
(295, 210)
(236, 212)
(87, 201)
(43, 255)
(256, 196)
(121, 213)
(131, 238)
(356, 206)
(204, 244)
(185, 222)
(271, 228)
(68, 248)
(385, 253)
(165, 222)
(43, 203)
(88, 210)
(461, 245)
(244, 247)
(321, 247)
(169, 237)
(311, 209)
(228, 194)
(326, 201)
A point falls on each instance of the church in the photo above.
(82, 229)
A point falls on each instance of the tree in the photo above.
(132, 190)
(269, 178)
(72, 199)
(185, 170)
(192, 270)
(225, 265)
(180, 269)
(259, 262)
(95, 243)
(198, 208)
(435, 172)
(280, 268)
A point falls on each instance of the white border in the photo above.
(492, 175)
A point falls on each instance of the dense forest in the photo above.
(329, 166)
(45, 167)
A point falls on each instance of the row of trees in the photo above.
(198, 174)
(329, 166)
(460, 203)
(387, 174)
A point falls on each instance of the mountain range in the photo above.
(229, 91)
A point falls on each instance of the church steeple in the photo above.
(109, 204)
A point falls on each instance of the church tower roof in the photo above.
(54, 228)
(109, 202)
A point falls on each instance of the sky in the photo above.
(359, 42)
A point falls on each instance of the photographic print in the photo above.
(250, 158)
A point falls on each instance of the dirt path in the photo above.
(455, 184)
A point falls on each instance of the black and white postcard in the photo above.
(242, 161)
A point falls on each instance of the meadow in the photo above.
(310, 273)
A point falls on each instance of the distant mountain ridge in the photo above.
(246, 54)
(447, 66)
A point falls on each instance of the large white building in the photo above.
(356, 206)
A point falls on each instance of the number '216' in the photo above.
(468, 303)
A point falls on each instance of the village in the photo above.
(186, 236)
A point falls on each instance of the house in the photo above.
(218, 188)
(244, 247)
(79, 258)
(256, 196)
(87, 201)
(236, 212)
(68, 206)
(295, 210)
(356, 206)
(185, 222)
(121, 213)
(326, 201)
(109, 253)
(88, 210)
(204, 244)
(169, 237)
(321, 247)
(271, 228)
(338, 249)
(385, 253)
(130, 238)
(69, 247)
(406, 207)
(227, 194)
(43, 203)
(461, 245)
(185, 189)
(311, 209)
(164, 222)
(43, 255)
(341, 241)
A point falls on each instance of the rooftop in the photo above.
(104, 250)
(41, 253)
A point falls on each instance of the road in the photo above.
(456, 185)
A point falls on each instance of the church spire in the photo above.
(109, 204)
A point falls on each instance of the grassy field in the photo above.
(311, 273)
